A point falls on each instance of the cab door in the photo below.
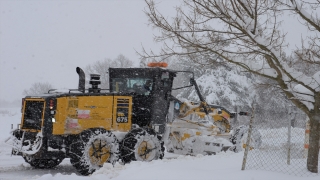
(160, 103)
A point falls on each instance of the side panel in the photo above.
(78, 113)
(95, 111)
(58, 127)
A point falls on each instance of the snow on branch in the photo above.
(245, 33)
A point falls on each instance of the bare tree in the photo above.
(102, 67)
(37, 88)
(121, 61)
(255, 42)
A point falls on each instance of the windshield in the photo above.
(141, 86)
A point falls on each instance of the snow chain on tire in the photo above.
(147, 148)
(96, 147)
(141, 145)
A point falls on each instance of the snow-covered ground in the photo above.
(225, 165)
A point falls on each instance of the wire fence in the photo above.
(283, 143)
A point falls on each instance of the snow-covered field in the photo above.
(225, 165)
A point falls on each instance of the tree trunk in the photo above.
(313, 152)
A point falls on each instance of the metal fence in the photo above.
(283, 144)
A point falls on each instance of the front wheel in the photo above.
(141, 145)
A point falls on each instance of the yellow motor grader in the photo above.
(126, 122)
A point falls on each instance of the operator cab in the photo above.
(150, 88)
(134, 80)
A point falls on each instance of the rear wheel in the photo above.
(94, 148)
(141, 145)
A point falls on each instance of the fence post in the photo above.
(244, 161)
(289, 133)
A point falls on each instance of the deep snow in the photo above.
(225, 165)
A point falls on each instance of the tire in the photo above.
(42, 163)
(93, 149)
(141, 145)
(239, 138)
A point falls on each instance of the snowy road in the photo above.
(225, 165)
(16, 168)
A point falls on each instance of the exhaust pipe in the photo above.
(82, 80)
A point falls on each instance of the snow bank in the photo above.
(224, 165)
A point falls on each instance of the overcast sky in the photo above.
(44, 41)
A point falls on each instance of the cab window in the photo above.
(141, 86)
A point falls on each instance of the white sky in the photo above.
(44, 41)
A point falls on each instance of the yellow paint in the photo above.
(198, 133)
(185, 136)
(189, 109)
(78, 113)
(120, 114)
(245, 145)
(61, 111)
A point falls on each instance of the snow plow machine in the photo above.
(133, 120)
